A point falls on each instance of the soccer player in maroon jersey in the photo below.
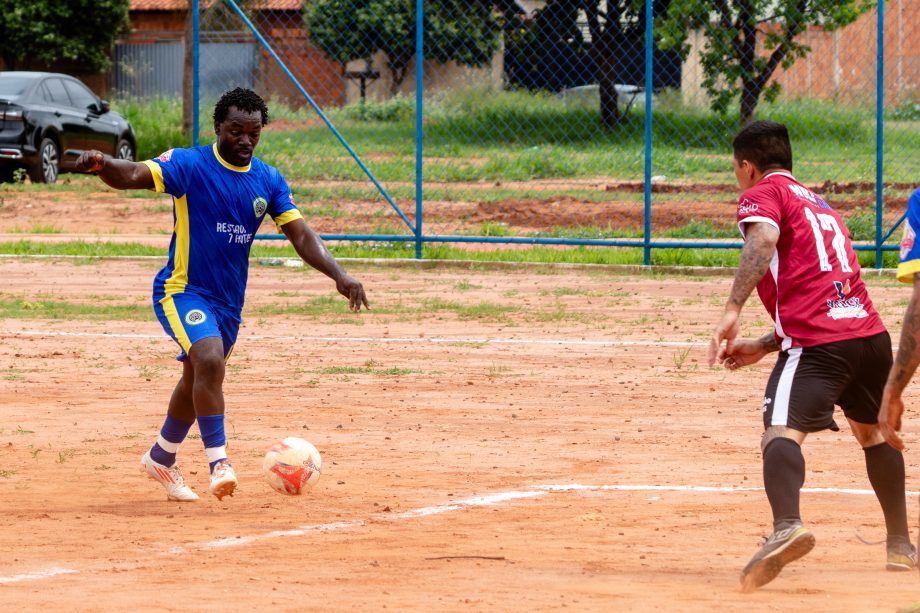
(833, 347)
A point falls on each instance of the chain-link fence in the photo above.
(535, 117)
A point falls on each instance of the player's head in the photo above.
(238, 119)
(760, 147)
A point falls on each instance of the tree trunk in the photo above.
(604, 50)
(750, 96)
(187, 99)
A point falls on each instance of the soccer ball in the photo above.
(292, 466)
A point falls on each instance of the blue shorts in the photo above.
(188, 318)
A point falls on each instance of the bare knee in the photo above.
(775, 432)
(867, 435)
(207, 361)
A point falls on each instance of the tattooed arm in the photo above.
(759, 246)
(905, 364)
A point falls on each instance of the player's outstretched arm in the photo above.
(904, 367)
(310, 248)
(759, 245)
(120, 174)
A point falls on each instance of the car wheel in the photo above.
(49, 159)
(124, 151)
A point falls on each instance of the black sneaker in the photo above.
(902, 555)
(784, 546)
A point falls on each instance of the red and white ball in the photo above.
(292, 466)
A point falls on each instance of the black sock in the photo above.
(885, 466)
(783, 477)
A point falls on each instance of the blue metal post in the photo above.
(196, 93)
(419, 104)
(647, 257)
(303, 92)
(879, 132)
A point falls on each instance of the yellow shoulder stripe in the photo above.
(157, 172)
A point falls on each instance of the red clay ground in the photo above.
(444, 415)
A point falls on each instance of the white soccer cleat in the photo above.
(223, 480)
(169, 478)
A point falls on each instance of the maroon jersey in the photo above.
(812, 290)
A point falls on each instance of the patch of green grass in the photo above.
(465, 285)
(483, 311)
(18, 308)
(38, 229)
(366, 370)
(157, 124)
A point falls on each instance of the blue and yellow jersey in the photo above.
(217, 208)
(910, 249)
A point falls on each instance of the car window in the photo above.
(13, 86)
(57, 92)
(82, 97)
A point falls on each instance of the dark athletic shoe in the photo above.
(902, 555)
(784, 546)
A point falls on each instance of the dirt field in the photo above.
(494, 439)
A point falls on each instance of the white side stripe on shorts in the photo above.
(784, 388)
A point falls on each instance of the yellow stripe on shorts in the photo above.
(175, 322)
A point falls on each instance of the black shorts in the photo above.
(807, 382)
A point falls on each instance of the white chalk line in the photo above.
(39, 574)
(406, 340)
(457, 505)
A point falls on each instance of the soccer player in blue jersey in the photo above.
(908, 355)
(221, 193)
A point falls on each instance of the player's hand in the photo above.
(889, 418)
(352, 289)
(90, 161)
(727, 331)
(743, 353)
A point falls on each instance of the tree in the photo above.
(37, 33)
(734, 67)
(553, 51)
(465, 31)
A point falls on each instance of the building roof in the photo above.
(181, 5)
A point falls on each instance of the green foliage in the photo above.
(36, 33)
(735, 67)
(463, 31)
(157, 125)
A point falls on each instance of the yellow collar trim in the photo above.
(227, 164)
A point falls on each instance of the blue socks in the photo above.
(171, 436)
(213, 437)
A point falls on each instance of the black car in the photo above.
(48, 119)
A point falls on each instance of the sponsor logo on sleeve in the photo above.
(907, 240)
(165, 156)
(746, 207)
(844, 306)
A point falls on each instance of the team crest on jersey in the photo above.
(195, 317)
(844, 307)
(165, 156)
(907, 240)
(259, 205)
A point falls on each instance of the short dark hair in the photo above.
(765, 144)
(244, 99)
